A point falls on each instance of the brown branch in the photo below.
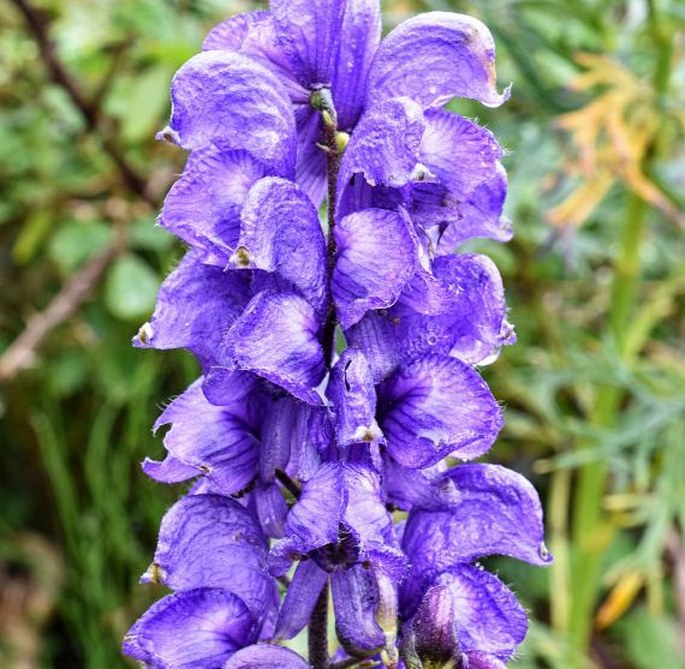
(88, 108)
(74, 293)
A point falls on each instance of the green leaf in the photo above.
(650, 640)
(74, 243)
(131, 288)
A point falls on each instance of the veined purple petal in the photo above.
(271, 509)
(193, 629)
(203, 207)
(254, 34)
(434, 407)
(211, 541)
(311, 160)
(196, 304)
(484, 661)
(359, 39)
(488, 617)
(434, 628)
(435, 57)
(232, 33)
(376, 336)
(214, 440)
(169, 470)
(300, 599)
(225, 97)
(266, 656)
(496, 512)
(276, 338)
(308, 32)
(352, 392)
(481, 215)
(280, 232)
(384, 146)
(355, 601)
(376, 256)
(464, 158)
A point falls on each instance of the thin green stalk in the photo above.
(591, 531)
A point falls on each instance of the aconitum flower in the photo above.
(325, 441)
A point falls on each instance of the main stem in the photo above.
(317, 630)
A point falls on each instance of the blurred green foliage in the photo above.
(594, 389)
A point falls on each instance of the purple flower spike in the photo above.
(337, 351)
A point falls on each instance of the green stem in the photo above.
(591, 531)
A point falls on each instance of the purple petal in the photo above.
(376, 256)
(463, 157)
(196, 304)
(225, 97)
(352, 392)
(211, 541)
(480, 215)
(266, 656)
(214, 440)
(484, 661)
(300, 599)
(276, 338)
(496, 512)
(434, 407)
(355, 601)
(308, 33)
(435, 57)
(271, 509)
(203, 207)
(359, 39)
(384, 146)
(311, 160)
(376, 336)
(463, 312)
(193, 629)
(169, 470)
(488, 617)
(278, 222)
(231, 34)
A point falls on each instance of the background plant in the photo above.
(595, 389)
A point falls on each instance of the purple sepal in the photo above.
(434, 407)
(300, 598)
(271, 509)
(215, 441)
(193, 629)
(225, 97)
(196, 304)
(488, 617)
(339, 520)
(484, 661)
(370, 273)
(308, 33)
(276, 338)
(266, 656)
(211, 541)
(435, 57)
(353, 396)
(203, 207)
(384, 146)
(359, 39)
(495, 512)
(280, 232)
(355, 601)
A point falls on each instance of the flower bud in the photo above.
(434, 631)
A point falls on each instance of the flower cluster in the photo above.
(338, 390)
